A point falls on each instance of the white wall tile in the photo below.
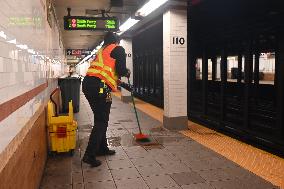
(175, 63)
(19, 70)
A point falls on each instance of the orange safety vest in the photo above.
(103, 67)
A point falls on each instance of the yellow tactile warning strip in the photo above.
(261, 163)
(153, 111)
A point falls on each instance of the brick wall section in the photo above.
(175, 63)
(25, 167)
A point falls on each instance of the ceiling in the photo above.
(90, 39)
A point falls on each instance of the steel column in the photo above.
(224, 66)
(204, 82)
(248, 80)
(256, 68)
(240, 60)
(280, 87)
(214, 70)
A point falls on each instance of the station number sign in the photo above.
(90, 23)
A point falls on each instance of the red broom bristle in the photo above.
(140, 136)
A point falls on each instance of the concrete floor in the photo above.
(169, 160)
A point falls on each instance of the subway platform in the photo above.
(170, 160)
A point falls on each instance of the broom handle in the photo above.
(135, 108)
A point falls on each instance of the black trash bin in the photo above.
(70, 90)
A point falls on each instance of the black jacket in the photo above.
(118, 53)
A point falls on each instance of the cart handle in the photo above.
(51, 99)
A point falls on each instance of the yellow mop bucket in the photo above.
(62, 130)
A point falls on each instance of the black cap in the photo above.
(110, 38)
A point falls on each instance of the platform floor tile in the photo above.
(169, 160)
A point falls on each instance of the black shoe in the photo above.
(91, 161)
(106, 153)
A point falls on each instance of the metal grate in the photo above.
(114, 141)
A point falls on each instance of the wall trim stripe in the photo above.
(7, 108)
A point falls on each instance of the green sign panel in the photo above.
(90, 23)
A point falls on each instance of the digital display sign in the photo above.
(90, 23)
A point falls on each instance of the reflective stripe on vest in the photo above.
(99, 64)
(95, 71)
(98, 68)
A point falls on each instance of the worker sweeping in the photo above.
(101, 78)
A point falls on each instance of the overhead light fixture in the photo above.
(144, 11)
(127, 24)
(149, 7)
(22, 46)
(13, 41)
(31, 51)
(3, 35)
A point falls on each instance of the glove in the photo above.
(126, 86)
(128, 73)
(119, 82)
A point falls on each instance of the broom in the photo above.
(140, 136)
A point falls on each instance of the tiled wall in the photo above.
(175, 63)
(31, 54)
(127, 45)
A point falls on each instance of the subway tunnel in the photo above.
(206, 79)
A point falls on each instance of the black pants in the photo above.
(100, 102)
